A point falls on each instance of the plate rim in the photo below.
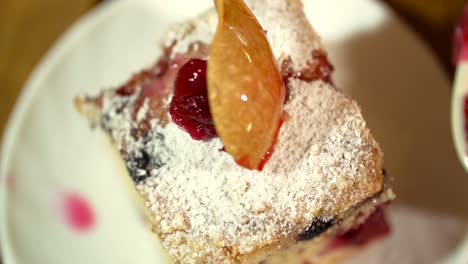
(64, 42)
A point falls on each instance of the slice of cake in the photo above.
(321, 194)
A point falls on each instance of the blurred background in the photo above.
(29, 27)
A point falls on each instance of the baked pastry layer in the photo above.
(206, 208)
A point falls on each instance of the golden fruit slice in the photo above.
(245, 88)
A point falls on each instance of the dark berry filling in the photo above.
(315, 229)
(373, 228)
(147, 162)
(189, 107)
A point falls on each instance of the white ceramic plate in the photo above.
(49, 153)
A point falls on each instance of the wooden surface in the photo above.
(29, 27)
(434, 21)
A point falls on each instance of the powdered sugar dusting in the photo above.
(119, 128)
(288, 30)
(279, 18)
(323, 165)
(206, 208)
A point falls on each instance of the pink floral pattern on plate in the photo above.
(78, 213)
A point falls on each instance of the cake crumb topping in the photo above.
(326, 162)
(208, 209)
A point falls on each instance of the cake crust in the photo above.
(206, 208)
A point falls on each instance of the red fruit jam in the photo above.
(373, 228)
(189, 107)
(152, 86)
(460, 38)
(319, 69)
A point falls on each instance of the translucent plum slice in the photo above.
(245, 88)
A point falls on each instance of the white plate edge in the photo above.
(62, 44)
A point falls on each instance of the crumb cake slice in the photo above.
(322, 191)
